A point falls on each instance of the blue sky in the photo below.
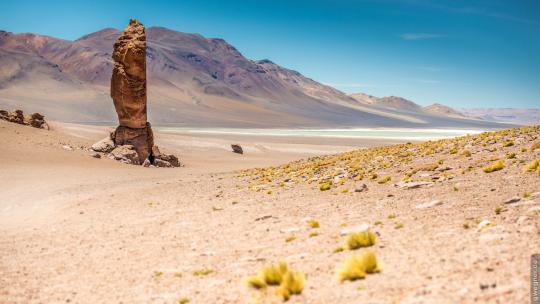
(460, 53)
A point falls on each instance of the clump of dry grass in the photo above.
(357, 240)
(496, 166)
(314, 224)
(202, 272)
(535, 145)
(356, 266)
(532, 166)
(324, 187)
(289, 282)
(384, 180)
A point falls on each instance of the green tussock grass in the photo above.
(357, 240)
(290, 239)
(511, 155)
(496, 166)
(391, 216)
(357, 266)
(535, 146)
(313, 234)
(466, 226)
(526, 194)
(498, 210)
(399, 226)
(376, 223)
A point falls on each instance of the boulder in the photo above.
(105, 145)
(126, 154)
(16, 116)
(164, 160)
(37, 120)
(4, 115)
(237, 149)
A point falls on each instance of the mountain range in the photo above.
(193, 81)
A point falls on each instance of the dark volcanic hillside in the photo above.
(193, 81)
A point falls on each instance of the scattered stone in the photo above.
(237, 149)
(162, 163)
(483, 225)
(360, 188)
(413, 185)
(489, 237)
(533, 210)
(429, 204)
(289, 230)
(125, 153)
(512, 200)
(164, 160)
(147, 163)
(67, 147)
(105, 145)
(264, 217)
(95, 155)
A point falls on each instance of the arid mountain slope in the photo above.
(192, 80)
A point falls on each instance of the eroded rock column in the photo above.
(128, 91)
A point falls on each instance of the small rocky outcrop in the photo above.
(35, 120)
(105, 145)
(126, 154)
(237, 149)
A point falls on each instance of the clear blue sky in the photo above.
(461, 53)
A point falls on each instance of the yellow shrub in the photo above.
(532, 166)
(324, 187)
(357, 266)
(496, 166)
(384, 180)
(357, 240)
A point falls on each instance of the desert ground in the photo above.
(75, 229)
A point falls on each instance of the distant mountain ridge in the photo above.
(192, 81)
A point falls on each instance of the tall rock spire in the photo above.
(128, 90)
(128, 82)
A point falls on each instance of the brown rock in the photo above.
(128, 91)
(38, 121)
(237, 149)
(164, 160)
(142, 139)
(16, 116)
(128, 82)
(4, 114)
(125, 153)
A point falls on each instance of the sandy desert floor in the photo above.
(74, 229)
